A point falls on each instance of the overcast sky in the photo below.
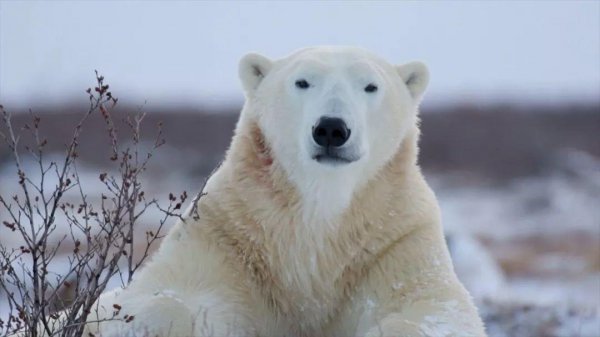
(187, 52)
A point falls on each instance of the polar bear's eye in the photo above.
(302, 84)
(371, 88)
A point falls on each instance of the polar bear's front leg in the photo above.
(168, 313)
(429, 318)
(414, 292)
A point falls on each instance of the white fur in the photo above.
(338, 77)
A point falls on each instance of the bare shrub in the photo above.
(99, 241)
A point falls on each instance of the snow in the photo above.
(544, 230)
(484, 226)
(172, 294)
(477, 269)
(444, 323)
(397, 286)
(371, 304)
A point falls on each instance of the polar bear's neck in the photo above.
(325, 198)
(317, 199)
(252, 203)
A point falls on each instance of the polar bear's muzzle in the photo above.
(329, 135)
(333, 157)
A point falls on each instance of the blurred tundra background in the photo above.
(511, 122)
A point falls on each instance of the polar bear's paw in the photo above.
(166, 313)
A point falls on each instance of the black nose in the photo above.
(331, 132)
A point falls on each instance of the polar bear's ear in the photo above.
(253, 68)
(416, 77)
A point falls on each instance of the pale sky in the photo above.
(187, 52)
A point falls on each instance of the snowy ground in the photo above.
(528, 250)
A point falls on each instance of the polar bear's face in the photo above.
(332, 116)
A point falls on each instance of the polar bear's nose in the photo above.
(331, 132)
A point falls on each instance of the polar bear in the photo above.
(318, 222)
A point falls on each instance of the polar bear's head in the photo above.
(332, 117)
